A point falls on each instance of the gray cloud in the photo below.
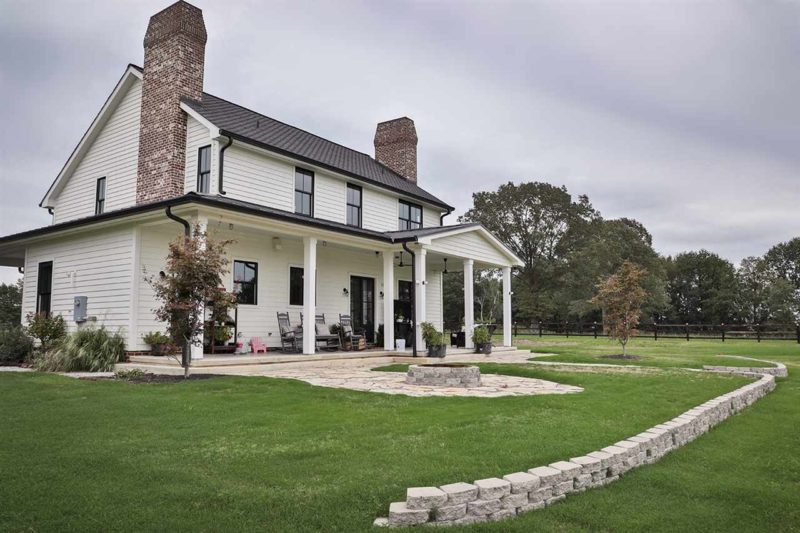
(682, 115)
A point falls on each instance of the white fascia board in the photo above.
(212, 129)
(131, 74)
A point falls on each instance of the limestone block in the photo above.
(425, 497)
(547, 475)
(512, 501)
(568, 469)
(502, 514)
(588, 464)
(565, 487)
(555, 499)
(451, 512)
(542, 494)
(522, 482)
(460, 493)
(530, 507)
(606, 459)
(583, 481)
(401, 515)
(492, 488)
(484, 507)
(381, 522)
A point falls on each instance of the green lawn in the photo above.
(280, 455)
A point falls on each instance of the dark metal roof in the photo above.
(424, 232)
(254, 128)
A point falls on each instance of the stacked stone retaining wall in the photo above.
(503, 497)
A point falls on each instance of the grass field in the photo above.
(280, 455)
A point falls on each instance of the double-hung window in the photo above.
(44, 287)
(410, 216)
(245, 282)
(204, 169)
(100, 197)
(303, 191)
(354, 196)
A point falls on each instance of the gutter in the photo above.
(441, 217)
(220, 189)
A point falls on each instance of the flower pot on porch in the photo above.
(437, 350)
(484, 348)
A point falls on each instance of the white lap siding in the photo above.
(198, 136)
(470, 245)
(113, 155)
(97, 266)
(433, 298)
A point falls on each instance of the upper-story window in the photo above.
(204, 169)
(303, 191)
(354, 197)
(410, 216)
(100, 196)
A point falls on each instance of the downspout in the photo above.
(413, 298)
(187, 233)
(441, 217)
(220, 189)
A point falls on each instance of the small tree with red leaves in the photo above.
(191, 279)
(621, 296)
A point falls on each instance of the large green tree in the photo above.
(542, 224)
(764, 295)
(783, 260)
(10, 304)
(702, 288)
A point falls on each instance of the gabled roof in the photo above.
(250, 127)
(131, 74)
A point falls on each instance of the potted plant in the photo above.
(482, 340)
(159, 343)
(434, 340)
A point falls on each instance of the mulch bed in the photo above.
(156, 378)
(623, 357)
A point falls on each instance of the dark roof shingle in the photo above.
(249, 126)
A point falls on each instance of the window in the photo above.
(404, 290)
(100, 196)
(303, 191)
(410, 215)
(44, 287)
(204, 169)
(295, 286)
(245, 282)
(353, 205)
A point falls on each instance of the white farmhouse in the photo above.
(318, 227)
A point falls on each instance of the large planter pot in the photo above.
(484, 348)
(437, 350)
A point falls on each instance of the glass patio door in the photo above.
(362, 305)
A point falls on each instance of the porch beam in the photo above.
(507, 306)
(469, 303)
(309, 294)
(388, 300)
(419, 292)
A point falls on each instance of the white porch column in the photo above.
(507, 306)
(196, 349)
(309, 294)
(419, 293)
(469, 303)
(388, 300)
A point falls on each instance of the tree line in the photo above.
(568, 248)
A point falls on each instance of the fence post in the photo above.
(655, 330)
(687, 332)
(797, 331)
(516, 331)
(540, 328)
(594, 330)
(566, 328)
(758, 332)
(722, 327)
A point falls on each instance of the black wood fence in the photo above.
(758, 332)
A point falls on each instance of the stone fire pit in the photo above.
(444, 375)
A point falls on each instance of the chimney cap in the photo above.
(178, 18)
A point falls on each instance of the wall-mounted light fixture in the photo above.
(345, 292)
(401, 259)
(381, 293)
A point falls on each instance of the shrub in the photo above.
(430, 335)
(155, 337)
(480, 335)
(15, 346)
(49, 329)
(86, 350)
(132, 374)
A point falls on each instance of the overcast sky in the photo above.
(682, 115)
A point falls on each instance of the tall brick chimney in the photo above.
(396, 146)
(174, 55)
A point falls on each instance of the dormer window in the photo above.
(410, 216)
(204, 169)
(100, 197)
(303, 192)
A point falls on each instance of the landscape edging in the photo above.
(494, 499)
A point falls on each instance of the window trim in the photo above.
(400, 219)
(360, 206)
(100, 203)
(38, 287)
(311, 173)
(254, 264)
(198, 187)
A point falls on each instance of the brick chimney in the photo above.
(396, 146)
(174, 54)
